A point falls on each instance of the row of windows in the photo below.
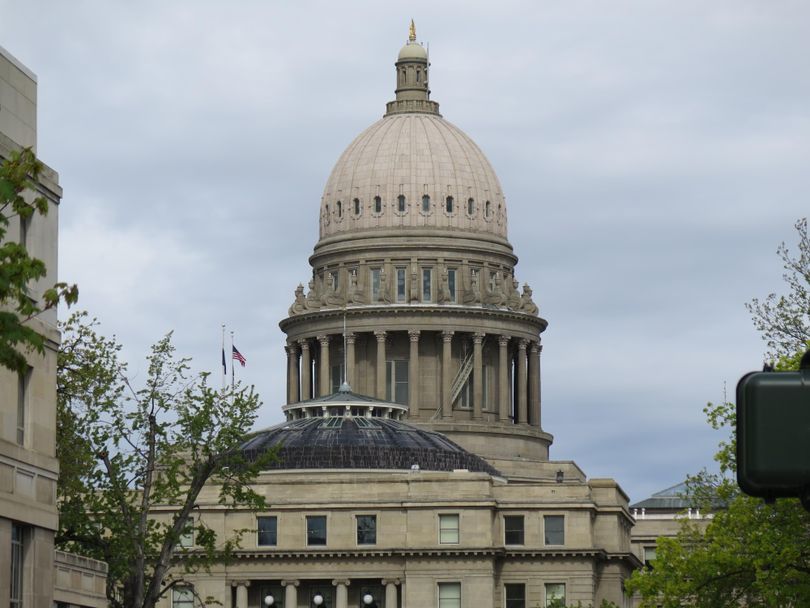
(402, 207)
(448, 530)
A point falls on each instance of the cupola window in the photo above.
(326, 214)
(339, 209)
(377, 204)
(488, 210)
(401, 203)
(448, 204)
(470, 206)
(356, 206)
(425, 203)
(418, 75)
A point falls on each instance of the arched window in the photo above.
(326, 214)
(418, 75)
(425, 203)
(401, 203)
(356, 206)
(470, 206)
(487, 210)
(377, 204)
(339, 209)
(448, 204)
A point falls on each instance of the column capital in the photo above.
(478, 337)
(447, 335)
(503, 340)
(413, 334)
(240, 583)
(291, 348)
(380, 335)
(324, 339)
(341, 581)
(304, 344)
(536, 347)
(292, 582)
(523, 343)
(391, 581)
(351, 337)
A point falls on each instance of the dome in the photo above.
(413, 170)
(360, 442)
(412, 50)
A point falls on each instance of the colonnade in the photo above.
(291, 588)
(518, 381)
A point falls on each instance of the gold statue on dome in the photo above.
(412, 32)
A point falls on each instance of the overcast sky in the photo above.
(653, 156)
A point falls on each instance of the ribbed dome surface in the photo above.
(414, 155)
(361, 443)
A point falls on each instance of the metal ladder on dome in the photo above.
(458, 383)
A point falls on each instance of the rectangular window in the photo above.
(396, 381)
(649, 556)
(316, 530)
(25, 226)
(375, 284)
(555, 529)
(451, 284)
(268, 531)
(515, 595)
(17, 554)
(448, 529)
(449, 595)
(427, 284)
(401, 297)
(337, 372)
(555, 595)
(513, 529)
(366, 529)
(23, 382)
(335, 277)
(182, 597)
(187, 535)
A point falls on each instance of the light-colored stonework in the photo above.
(434, 320)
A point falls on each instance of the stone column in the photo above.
(447, 342)
(350, 340)
(390, 592)
(341, 593)
(478, 373)
(413, 374)
(241, 593)
(380, 335)
(503, 379)
(534, 384)
(521, 381)
(292, 373)
(290, 593)
(323, 376)
(306, 371)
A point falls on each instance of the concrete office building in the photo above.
(414, 468)
(32, 574)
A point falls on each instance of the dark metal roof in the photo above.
(361, 443)
(670, 499)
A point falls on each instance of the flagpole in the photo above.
(224, 364)
(233, 382)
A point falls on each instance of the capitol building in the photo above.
(413, 467)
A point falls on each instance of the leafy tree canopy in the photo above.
(750, 553)
(18, 269)
(136, 457)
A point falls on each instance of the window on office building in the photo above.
(554, 529)
(513, 529)
(187, 535)
(449, 595)
(268, 531)
(366, 529)
(183, 597)
(316, 530)
(555, 595)
(448, 529)
(23, 383)
(401, 285)
(396, 381)
(18, 533)
(515, 595)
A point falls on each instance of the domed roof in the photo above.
(412, 50)
(444, 177)
(359, 442)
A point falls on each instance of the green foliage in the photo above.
(750, 553)
(18, 270)
(135, 459)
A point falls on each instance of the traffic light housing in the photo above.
(773, 433)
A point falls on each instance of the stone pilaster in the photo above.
(391, 592)
(290, 592)
(341, 593)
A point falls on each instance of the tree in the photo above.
(750, 553)
(135, 460)
(18, 269)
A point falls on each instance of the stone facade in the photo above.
(414, 302)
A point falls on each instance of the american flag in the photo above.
(238, 356)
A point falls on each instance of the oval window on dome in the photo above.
(425, 203)
(356, 203)
(470, 206)
(377, 204)
(401, 203)
(448, 204)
